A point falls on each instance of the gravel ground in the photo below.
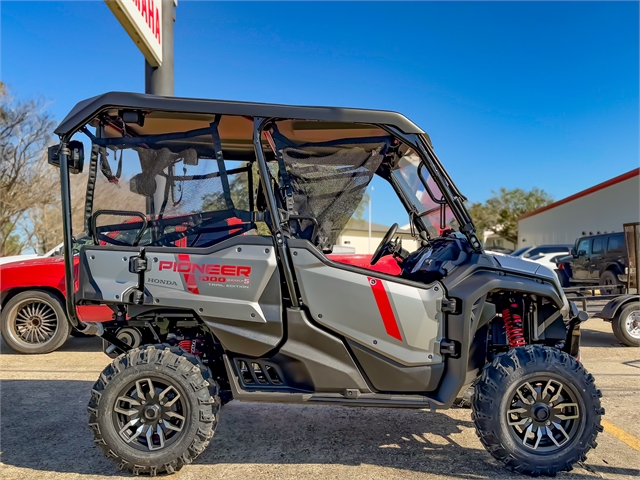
(44, 434)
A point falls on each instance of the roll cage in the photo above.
(277, 214)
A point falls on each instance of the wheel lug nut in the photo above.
(547, 422)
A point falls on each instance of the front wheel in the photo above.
(537, 410)
(626, 325)
(154, 409)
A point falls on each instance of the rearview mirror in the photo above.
(75, 162)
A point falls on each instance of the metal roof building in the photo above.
(602, 208)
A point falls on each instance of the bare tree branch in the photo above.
(26, 182)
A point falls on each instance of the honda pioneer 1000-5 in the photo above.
(222, 286)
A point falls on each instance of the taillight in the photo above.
(560, 266)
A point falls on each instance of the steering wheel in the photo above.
(383, 249)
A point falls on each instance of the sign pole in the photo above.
(159, 80)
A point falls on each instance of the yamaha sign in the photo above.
(142, 20)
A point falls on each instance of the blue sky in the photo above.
(522, 95)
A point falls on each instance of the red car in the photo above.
(33, 311)
(32, 292)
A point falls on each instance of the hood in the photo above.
(16, 258)
(32, 262)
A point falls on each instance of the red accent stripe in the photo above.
(384, 306)
(189, 279)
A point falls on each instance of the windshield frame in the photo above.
(452, 195)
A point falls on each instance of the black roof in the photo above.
(85, 110)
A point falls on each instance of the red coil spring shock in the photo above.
(513, 326)
(186, 345)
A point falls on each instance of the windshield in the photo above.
(519, 252)
(420, 188)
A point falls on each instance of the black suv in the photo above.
(595, 260)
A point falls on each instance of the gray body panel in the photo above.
(524, 266)
(234, 288)
(518, 265)
(326, 363)
(343, 301)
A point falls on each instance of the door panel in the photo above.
(596, 257)
(234, 286)
(581, 263)
(399, 321)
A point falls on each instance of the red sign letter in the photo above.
(144, 11)
(158, 27)
(164, 265)
(150, 22)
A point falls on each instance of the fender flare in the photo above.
(461, 327)
(611, 309)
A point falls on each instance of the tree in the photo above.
(13, 244)
(25, 179)
(500, 213)
(239, 192)
(362, 207)
(44, 220)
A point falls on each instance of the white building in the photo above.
(602, 208)
(356, 236)
(491, 240)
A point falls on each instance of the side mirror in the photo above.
(75, 161)
(573, 252)
(582, 253)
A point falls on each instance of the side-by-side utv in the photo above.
(219, 275)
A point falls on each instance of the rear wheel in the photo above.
(154, 409)
(34, 322)
(536, 410)
(626, 325)
(610, 278)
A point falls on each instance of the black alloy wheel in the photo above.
(150, 413)
(544, 414)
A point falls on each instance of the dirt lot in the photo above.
(44, 433)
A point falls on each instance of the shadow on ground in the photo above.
(73, 344)
(44, 427)
(597, 338)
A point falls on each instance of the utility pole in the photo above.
(159, 80)
(371, 195)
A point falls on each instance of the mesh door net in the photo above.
(328, 182)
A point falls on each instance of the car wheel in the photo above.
(626, 325)
(610, 278)
(34, 322)
(537, 410)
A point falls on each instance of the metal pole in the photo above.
(65, 200)
(159, 80)
(370, 198)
